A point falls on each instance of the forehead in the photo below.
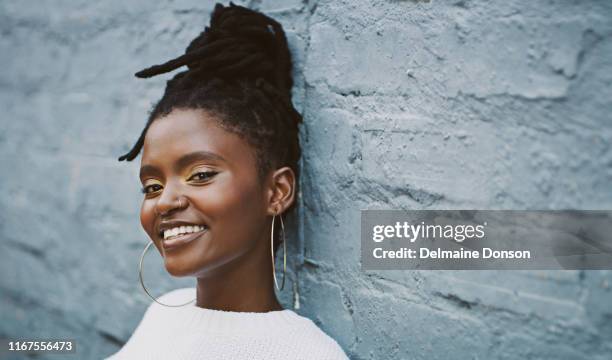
(184, 131)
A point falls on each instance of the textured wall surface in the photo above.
(407, 104)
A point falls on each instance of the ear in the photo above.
(281, 191)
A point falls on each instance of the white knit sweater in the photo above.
(191, 332)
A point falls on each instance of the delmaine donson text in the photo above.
(458, 233)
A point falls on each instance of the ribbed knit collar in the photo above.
(219, 321)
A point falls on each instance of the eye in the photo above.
(203, 175)
(145, 189)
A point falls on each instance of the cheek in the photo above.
(147, 217)
(237, 211)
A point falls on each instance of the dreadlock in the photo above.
(238, 68)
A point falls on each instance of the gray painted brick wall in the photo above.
(407, 104)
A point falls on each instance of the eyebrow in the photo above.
(182, 162)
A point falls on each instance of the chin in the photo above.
(178, 269)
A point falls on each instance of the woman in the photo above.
(218, 170)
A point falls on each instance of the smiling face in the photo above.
(218, 186)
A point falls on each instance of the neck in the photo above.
(245, 285)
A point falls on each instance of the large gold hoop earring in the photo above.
(142, 282)
(284, 253)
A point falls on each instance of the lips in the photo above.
(180, 240)
(172, 224)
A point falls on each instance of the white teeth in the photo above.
(182, 230)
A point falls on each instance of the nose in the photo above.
(169, 200)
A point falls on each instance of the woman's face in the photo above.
(187, 156)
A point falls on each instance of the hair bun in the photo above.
(239, 43)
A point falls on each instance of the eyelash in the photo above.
(209, 173)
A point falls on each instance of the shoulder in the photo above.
(177, 296)
(315, 339)
(156, 312)
(172, 297)
(156, 317)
